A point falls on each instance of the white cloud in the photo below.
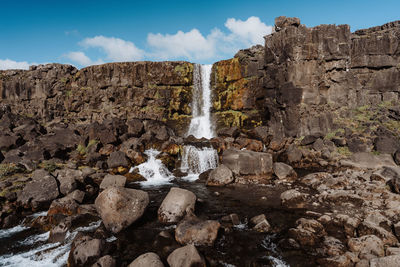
(251, 30)
(116, 49)
(190, 44)
(79, 57)
(193, 45)
(6, 64)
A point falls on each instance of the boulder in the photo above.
(135, 127)
(293, 199)
(85, 250)
(149, 259)
(260, 223)
(40, 192)
(284, 171)
(105, 261)
(63, 206)
(229, 132)
(220, 176)
(58, 233)
(113, 180)
(386, 144)
(367, 244)
(387, 261)
(176, 205)
(309, 139)
(262, 134)
(68, 180)
(120, 207)
(248, 163)
(197, 232)
(77, 195)
(186, 256)
(117, 159)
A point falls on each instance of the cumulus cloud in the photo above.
(79, 57)
(116, 49)
(251, 30)
(6, 64)
(191, 45)
(194, 45)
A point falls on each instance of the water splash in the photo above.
(197, 160)
(153, 170)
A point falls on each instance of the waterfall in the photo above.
(153, 170)
(200, 125)
(198, 160)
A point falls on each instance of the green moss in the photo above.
(184, 69)
(232, 118)
(344, 151)
(49, 166)
(332, 134)
(8, 169)
(82, 150)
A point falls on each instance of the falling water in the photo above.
(200, 125)
(198, 160)
(153, 170)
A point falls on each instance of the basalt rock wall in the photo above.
(303, 76)
(160, 91)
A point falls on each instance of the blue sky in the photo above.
(96, 31)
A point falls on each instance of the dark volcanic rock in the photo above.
(117, 159)
(386, 144)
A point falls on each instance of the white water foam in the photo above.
(9, 232)
(153, 170)
(43, 254)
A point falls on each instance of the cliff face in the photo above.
(296, 84)
(303, 75)
(147, 90)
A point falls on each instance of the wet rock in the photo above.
(220, 176)
(186, 256)
(284, 171)
(117, 159)
(105, 261)
(120, 207)
(147, 260)
(39, 192)
(243, 162)
(195, 231)
(85, 250)
(293, 199)
(63, 206)
(393, 260)
(367, 244)
(260, 223)
(58, 233)
(176, 205)
(113, 181)
(232, 218)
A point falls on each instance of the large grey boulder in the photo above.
(387, 261)
(113, 180)
(85, 250)
(220, 176)
(120, 207)
(40, 191)
(176, 205)
(367, 245)
(186, 256)
(147, 260)
(105, 261)
(248, 163)
(284, 171)
(197, 232)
